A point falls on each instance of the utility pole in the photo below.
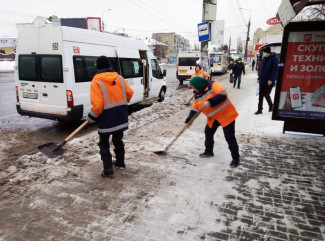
(247, 39)
(205, 44)
(229, 45)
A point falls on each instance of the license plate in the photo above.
(183, 71)
(30, 95)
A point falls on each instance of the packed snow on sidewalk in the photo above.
(7, 66)
(156, 196)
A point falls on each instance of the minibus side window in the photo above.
(115, 65)
(51, 69)
(156, 72)
(91, 69)
(27, 67)
(131, 68)
(79, 70)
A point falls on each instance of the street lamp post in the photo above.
(103, 17)
(248, 27)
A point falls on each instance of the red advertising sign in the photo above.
(303, 85)
(273, 21)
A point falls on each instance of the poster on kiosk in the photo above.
(300, 89)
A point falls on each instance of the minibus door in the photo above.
(131, 71)
(155, 78)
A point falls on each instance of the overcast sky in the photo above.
(140, 18)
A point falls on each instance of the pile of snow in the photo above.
(7, 66)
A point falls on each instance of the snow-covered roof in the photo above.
(151, 41)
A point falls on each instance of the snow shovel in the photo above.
(164, 152)
(53, 150)
(188, 103)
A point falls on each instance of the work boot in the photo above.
(206, 154)
(258, 112)
(271, 108)
(108, 173)
(119, 165)
(234, 163)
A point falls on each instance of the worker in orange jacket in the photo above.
(109, 95)
(211, 98)
(200, 72)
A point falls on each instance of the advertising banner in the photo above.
(217, 32)
(302, 93)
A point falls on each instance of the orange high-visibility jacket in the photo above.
(224, 112)
(109, 95)
(201, 73)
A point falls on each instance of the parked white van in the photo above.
(55, 65)
(186, 64)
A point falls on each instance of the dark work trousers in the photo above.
(229, 132)
(237, 76)
(265, 91)
(104, 148)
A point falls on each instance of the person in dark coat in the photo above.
(238, 69)
(230, 68)
(253, 64)
(266, 79)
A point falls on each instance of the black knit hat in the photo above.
(267, 50)
(102, 63)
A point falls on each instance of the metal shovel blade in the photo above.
(51, 150)
(160, 152)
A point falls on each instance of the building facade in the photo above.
(271, 35)
(175, 43)
(8, 45)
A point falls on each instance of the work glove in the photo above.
(206, 104)
(187, 120)
(90, 120)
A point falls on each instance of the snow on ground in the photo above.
(156, 196)
(7, 66)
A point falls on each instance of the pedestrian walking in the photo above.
(211, 97)
(266, 78)
(200, 72)
(253, 64)
(238, 69)
(230, 68)
(109, 95)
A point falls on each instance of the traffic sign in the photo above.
(204, 31)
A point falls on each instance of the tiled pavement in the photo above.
(279, 195)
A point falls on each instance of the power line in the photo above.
(161, 14)
(241, 11)
(266, 8)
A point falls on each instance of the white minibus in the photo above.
(218, 63)
(186, 62)
(55, 65)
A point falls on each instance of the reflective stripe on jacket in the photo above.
(109, 95)
(201, 73)
(224, 113)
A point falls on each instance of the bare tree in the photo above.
(315, 12)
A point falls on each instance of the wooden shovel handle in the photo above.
(76, 131)
(184, 128)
